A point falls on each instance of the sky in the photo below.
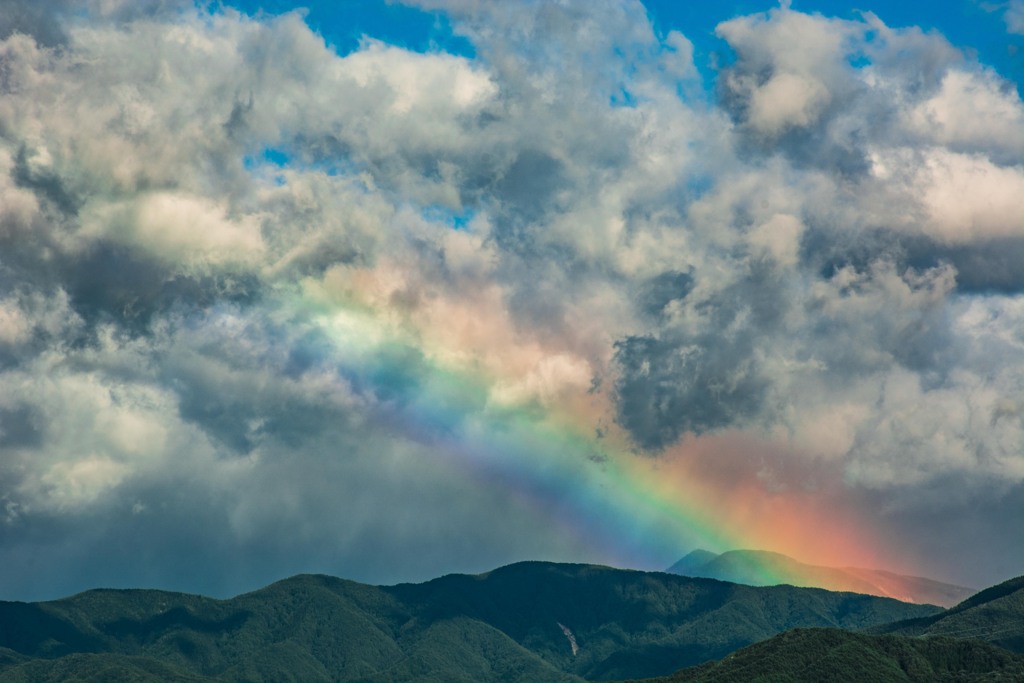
(393, 290)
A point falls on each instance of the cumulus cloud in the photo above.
(790, 68)
(248, 285)
(973, 113)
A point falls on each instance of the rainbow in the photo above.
(630, 509)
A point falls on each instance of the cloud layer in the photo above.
(254, 293)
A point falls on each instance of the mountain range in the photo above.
(836, 656)
(995, 615)
(763, 568)
(981, 639)
(528, 622)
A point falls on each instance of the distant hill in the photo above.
(695, 562)
(815, 655)
(948, 646)
(995, 615)
(763, 568)
(529, 622)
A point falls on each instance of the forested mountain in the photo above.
(531, 622)
(981, 639)
(815, 655)
(995, 615)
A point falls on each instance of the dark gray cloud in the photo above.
(969, 523)
(183, 529)
(47, 185)
(703, 377)
(986, 267)
(21, 427)
(43, 20)
(662, 290)
(670, 387)
(37, 20)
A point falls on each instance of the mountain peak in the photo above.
(693, 560)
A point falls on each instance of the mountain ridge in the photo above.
(814, 655)
(980, 639)
(508, 624)
(995, 615)
(763, 568)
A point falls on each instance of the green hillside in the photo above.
(511, 624)
(995, 615)
(815, 655)
(96, 668)
(634, 623)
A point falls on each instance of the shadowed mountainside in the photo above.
(995, 615)
(763, 568)
(948, 646)
(814, 655)
(511, 624)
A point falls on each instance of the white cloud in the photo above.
(72, 484)
(552, 378)
(791, 67)
(424, 82)
(779, 238)
(969, 198)
(14, 325)
(973, 112)
(786, 100)
(180, 227)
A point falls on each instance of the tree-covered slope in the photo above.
(517, 623)
(97, 668)
(815, 655)
(634, 623)
(995, 615)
